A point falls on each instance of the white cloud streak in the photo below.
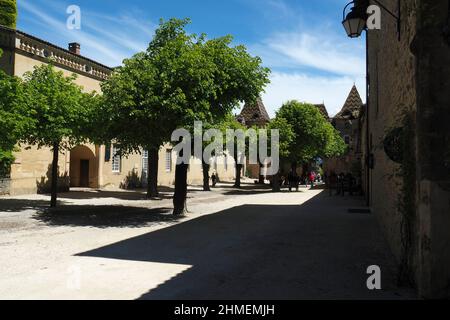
(108, 43)
(317, 51)
(311, 66)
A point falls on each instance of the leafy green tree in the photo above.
(201, 80)
(8, 13)
(314, 136)
(60, 111)
(135, 112)
(230, 123)
(14, 119)
(212, 142)
(286, 137)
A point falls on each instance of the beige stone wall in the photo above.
(130, 165)
(31, 170)
(24, 63)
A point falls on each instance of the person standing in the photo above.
(311, 179)
(291, 179)
(214, 179)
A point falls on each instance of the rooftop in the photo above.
(254, 114)
(352, 106)
(43, 50)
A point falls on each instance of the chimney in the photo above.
(74, 47)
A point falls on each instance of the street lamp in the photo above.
(355, 21)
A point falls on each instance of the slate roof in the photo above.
(254, 114)
(352, 107)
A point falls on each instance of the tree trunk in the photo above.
(179, 197)
(294, 166)
(54, 183)
(152, 174)
(276, 182)
(205, 169)
(237, 183)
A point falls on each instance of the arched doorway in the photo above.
(83, 167)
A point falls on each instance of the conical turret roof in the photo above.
(255, 114)
(352, 106)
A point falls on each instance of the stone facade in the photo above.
(348, 123)
(87, 165)
(408, 85)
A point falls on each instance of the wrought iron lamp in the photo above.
(355, 21)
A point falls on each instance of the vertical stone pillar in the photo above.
(100, 162)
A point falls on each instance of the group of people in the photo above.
(343, 182)
(293, 180)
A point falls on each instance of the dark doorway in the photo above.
(84, 173)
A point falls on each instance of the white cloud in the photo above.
(103, 38)
(333, 91)
(312, 66)
(320, 51)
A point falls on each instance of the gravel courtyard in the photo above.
(234, 244)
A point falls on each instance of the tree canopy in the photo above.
(179, 79)
(314, 136)
(60, 111)
(14, 119)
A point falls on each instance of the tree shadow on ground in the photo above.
(99, 194)
(136, 194)
(17, 205)
(104, 216)
(310, 251)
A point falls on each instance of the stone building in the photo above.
(348, 123)
(406, 138)
(88, 165)
(254, 114)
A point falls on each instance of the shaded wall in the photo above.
(432, 51)
(409, 82)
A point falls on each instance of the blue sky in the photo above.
(301, 41)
